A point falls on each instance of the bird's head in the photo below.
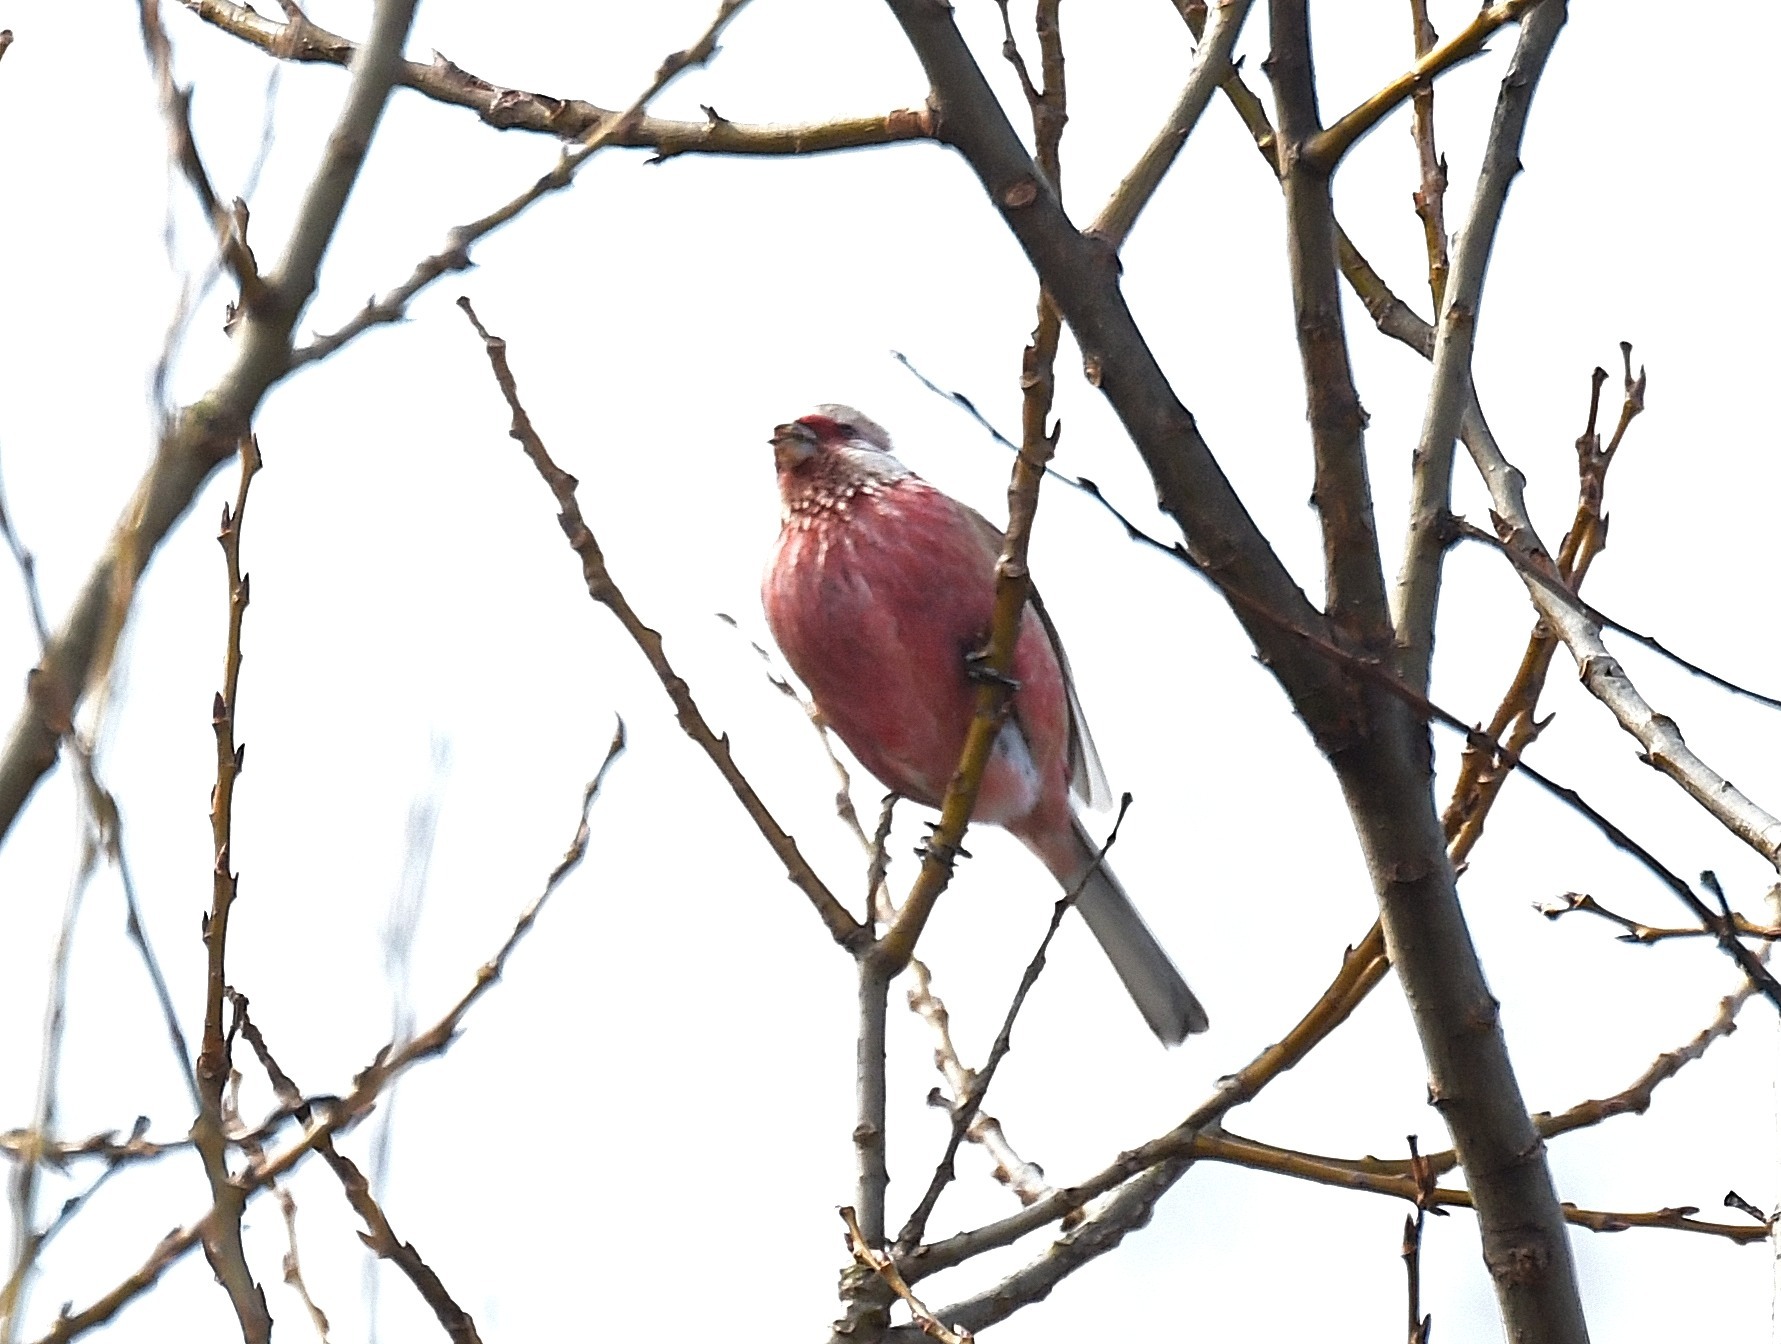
(828, 456)
(828, 427)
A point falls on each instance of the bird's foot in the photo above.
(979, 672)
(946, 854)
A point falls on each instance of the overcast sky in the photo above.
(648, 1122)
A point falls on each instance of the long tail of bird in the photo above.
(1168, 1005)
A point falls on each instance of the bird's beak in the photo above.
(793, 445)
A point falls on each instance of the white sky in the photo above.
(649, 1120)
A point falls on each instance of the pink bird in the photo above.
(879, 591)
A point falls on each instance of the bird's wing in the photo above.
(1088, 781)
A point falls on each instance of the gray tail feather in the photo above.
(1168, 1005)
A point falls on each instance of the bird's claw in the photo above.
(946, 854)
(979, 671)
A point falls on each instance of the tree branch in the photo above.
(1450, 385)
(1377, 743)
(1081, 275)
(203, 435)
(332, 1115)
(841, 925)
(300, 40)
(1211, 68)
(1328, 147)
(1353, 578)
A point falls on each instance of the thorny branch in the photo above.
(222, 1245)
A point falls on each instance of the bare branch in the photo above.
(1211, 67)
(1377, 744)
(223, 1246)
(1450, 389)
(1080, 274)
(1353, 579)
(841, 925)
(1256, 1156)
(455, 254)
(1328, 147)
(965, 1108)
(332, 1115)
(565, 118)
(1013, 583)
(1430, 196)
(203, 436)
(226, 223)
(868, 1257)
(27, 567)
(22, 1189)
(1661, 739)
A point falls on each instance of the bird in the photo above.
(879, 592)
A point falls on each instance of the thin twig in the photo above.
(27, 1240)
(1532, 572)
(1024, 1178)
(1431, 193)
(455, 254)
(841, 925)
(1248, 1153)
(1328, 147)
(964, 1111)
(1456, 327)
(108, 820)
(23, 558)
(228, 224)
(868, 1257)
(332, 1115)
(223, 1246)
(1211, 67)
(293, 1263)
(1013, 589)
(1411, 1249)
(504, 108)
(254, 1148)
(1577, 902)
(1661, 740)
(1516, 723)
(204, 435)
